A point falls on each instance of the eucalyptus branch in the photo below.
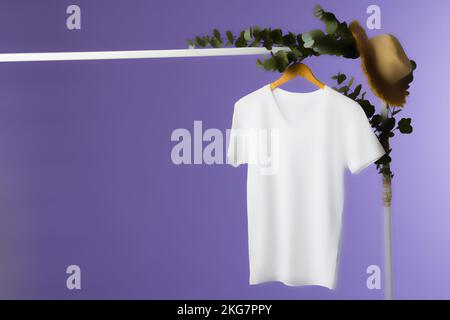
(383, 128)
(337, 40)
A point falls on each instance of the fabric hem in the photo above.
(296, 284)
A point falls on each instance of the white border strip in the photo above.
(137, 54)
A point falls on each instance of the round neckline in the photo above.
(319, 93)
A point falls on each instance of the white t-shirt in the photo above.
(297, 146)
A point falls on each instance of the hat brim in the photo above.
(393, 94)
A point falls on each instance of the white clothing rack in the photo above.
(180, 53)
(135, 54)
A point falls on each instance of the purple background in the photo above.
(85, 170)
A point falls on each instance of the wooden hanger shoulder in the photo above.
(298, 69)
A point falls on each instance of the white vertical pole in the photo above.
(387, 218)
(388, 286)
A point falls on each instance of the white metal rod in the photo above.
(387, 223)
(389, 282)
(136, 54)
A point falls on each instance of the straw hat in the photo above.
(387, 68)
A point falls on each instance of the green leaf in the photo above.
(404, 125)
(240, 41)
(344, 89)
(326, 44)
(230, 36)
(256, 31)
(277, 36)
(350, 83)
(294, 56)
(268, 64)
(341, 78)
(268, 43)
(281, 60)
(309, 38)
(388, 124)
(289, 40)
(215, 43)
(368, 108)
(318, 11)
(248, 35)
(308, 44)
(355, 92)
(376, 120)
(331, 23)
(200, 42)
(217, 35)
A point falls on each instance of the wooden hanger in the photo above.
(297, 69)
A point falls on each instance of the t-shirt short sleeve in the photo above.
(238, 146)
(362, 145)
